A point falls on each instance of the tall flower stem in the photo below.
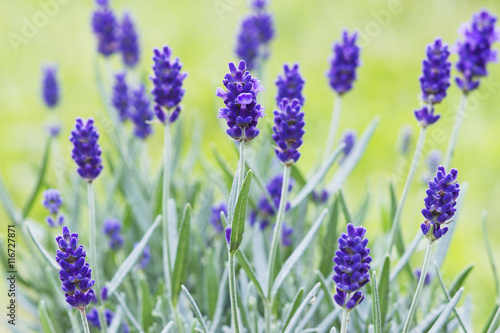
(165, 198)
(345, 320)
(456, 129)
(421, 281)
(334, 125)
(406, 188)
(85, 323)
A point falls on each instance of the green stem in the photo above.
(345, 321)
(241, 166)
(334, 124)
(456, 129)
(165, 198)
(85, 323)
(406, 188)
(232, 293)
(414, 303)
(267, 315)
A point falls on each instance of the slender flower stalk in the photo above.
(334, 125)
(165, 198)
(345, 321)
(455, 131)
(85, 323)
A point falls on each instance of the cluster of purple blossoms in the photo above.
(112, 228)
(129, 43)
(93, 318)
(141, 113)
(50, 87)
(106, 29)
(86, 151)
(440, 203)
(435, 78)
(52, 201)
(352, 266)
(349, 139)
(75, 273)
(290, 84)
(240, 97)
(288, 130)
(475, 50)
(426, 116)
(215, 219)
(167, 81)
(120, 98)
(343, 63)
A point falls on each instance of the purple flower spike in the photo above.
(53, 201)
(435, 79)
(343, 64)
(352, 266)
(141, 113)
(75, 273)
(475, 50)
(105, 28)
(440, 203)
(426, 117)
(86, 151)
(112, 228)
(120, 98)
(240, 97)
(50, 87)
(290, 85)
(215, 219)
(288, 131)
(129, 44)
(349, 139)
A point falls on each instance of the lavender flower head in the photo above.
(112, 228)
(50, 87)
(426, 116)
(349, 139)
(440, 203)
(475, 50)
(215, 219)
(52, 201)
(120, 97)
(106, 29)
(290, 84)
(86, 151)
(240, 97)
(435, 79)
(129, 44)
(352, 266)
(167, 80)
(141, 113)
(343, 63)
(288, 131)
(320, 196)
(75, 273)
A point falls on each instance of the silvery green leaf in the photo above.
(167, 328)
(384, 289)
(429, 319)
(302, 307)
(327, 322)
(182, 255)
(240, 213)
(195, 309)
(490, 254)
(146, 300)
(247, 267)
(327, 246)
(326, 290)
(41, 248)
(460, 279)
(377, 321)
(232, 197)
(294, 305)
(345, 209)
(173, 234)
(116, 321)
(406, 256)
(47, 325)
(494, 322)
(11, 210)
(219, 309)
(130, 317)
(441, 321)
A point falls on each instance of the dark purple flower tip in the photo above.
(349, 139)
(240, 97)
(356, 299)
(475, 49)
(106, 29)
(418, 273)
(50, 86)
(175, 114)
(288, 130)
(321, 197)
(259, 4)
(435, 78)
(215, 218)
(112, 228)
(120, 99)
(129, 43)
(290, 84)
(104, 293)
(343, 63)
(160, 114)
(228, 235)
(141, 113)
(86, 151)
(426, 117)
(340, 297)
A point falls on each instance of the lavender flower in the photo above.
(93, 318)
(320, 197)
(475, 50)
(146, 256)
(53, 201)
(112, 228)
(215, 219)
(129, 44)
(440, 203)
(426, 116)
(352, 266)
(53, 130)
(343, 63)
(286, 235)
(50, 87)
(86, 151)
(141, 113)
(240, 97)
(434, 159)
(167, 80)
(405, 135)
(435, 79)
(349, 139)
(418, 273)
(290, 85)
(120, 98)
(288, 131)
(105, 28)
(75, 273)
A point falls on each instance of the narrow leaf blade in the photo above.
(441, 321)
(383, 289)
(240, 212)
(195, 309)
(377, 322)
(182, 255)
(295, 319)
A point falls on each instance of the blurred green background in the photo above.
(203, 32)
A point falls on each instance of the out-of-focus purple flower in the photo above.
(112, 228)
(75, 273)
(418, 273)
(290, 84)
(53, 130)
(240, 97)
(288, 131)
(352, 267)
(52, 201)
(435, 78)
(120, 97)
(343, 63)
(146, 256)
(286, 235)
(167, 80)
(93, 318)
(141, 113)
(259, 4)
(434, 159)
(426, 116)
(129, 41)
(349, 139)
(475, 50)
(440, 203)
(86, 151)
(215, 219)
(104, 293)
(405, 135)
(50, 86)
(106, 29)
(321, 196)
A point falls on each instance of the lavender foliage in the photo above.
(435, 78)
(290, 84)
(106, 29)
(86, 151)
(52, 201)
(288, 131)
(50, 87)
(120, 99)
(343, 63)
(129, 42)
(141, 113)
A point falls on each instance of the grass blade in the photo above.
(293, 308)
(167, 328)
(147, 302)
(490, 254)
(127, 312)
(383, 289)
(326, 290)
(460, 279)
(377, 322)
(226, 171)
(403, 261)
(343, 206)
(47, 325)
(240, 212)
(247, 267)
(43, 251)
(182, 254)
(195, 309)
(494, 322)
(11, 210)
(441, 321)
(302, 307)
(328, 247)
